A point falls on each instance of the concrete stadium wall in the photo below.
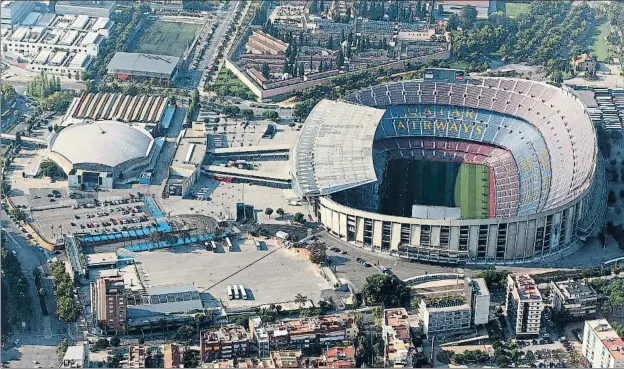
(505, 241)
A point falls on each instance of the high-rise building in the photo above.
(109, 303)
(524, 305)
(136, 356)
(602, 347)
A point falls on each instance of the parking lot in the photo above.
(108, 216)
(271, 275)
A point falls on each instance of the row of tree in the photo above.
(68, 307)
(43, 86)
(16, 302)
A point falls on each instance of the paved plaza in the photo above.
(273, 275)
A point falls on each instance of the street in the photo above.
(41, 333)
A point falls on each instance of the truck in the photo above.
(229, 292)
(243, 292)
(282, 235)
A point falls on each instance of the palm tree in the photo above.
(199, 319)
(301, 300)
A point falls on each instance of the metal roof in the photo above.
(325, 160)
(143, 63)
(106, 143)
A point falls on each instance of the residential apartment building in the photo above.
(444, 315)
(399, 351)
(602, 347)
(574, 299)
(227, 342)
(172, 356)
(136, 356)
(339, 357)
(479, 300)
(109, 304)
(287, 358)
(524, 305)
(304, 333)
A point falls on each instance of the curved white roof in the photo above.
(106, 143)
(334, 151)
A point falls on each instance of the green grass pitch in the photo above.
(436, 183)
(164, 38)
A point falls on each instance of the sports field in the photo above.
(164, 38)
(435, 183)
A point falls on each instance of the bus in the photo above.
(243, 292)
(229, 291)
(258, 244)
(229, 244)
(214, 246)
(237, 294)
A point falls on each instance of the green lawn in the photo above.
(435, 183)
(599, 48)
(164, 38)
(515, 9)
(227, 84)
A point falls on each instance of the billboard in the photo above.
(444, 75)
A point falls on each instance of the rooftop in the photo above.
(571, 287)
(107, 143)
(396, 317)
(325, 162)
(143, 63)
(229, 332)
(525, 287)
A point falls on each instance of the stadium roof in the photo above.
(107, 143)
(143, 63)
(325, 161)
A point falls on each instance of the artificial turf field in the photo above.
(164, 38)
(435, 183)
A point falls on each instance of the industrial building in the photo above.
(56, 44)
(103, 153)
(141, 67)
(602, 347)
(12, 12)
(99, 8)
(574, 299)
(524, 305)
(185, 167)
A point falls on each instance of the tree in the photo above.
(383, 289)
(268, 211)
(468, 16)
(340, 59)
(190, 358)
(271, 115)
(61, 348)
(115, 341)
(247, 114)
(50, 169)
(114, 361)
(299, 218)
(101, 344)
(266, 71)
(318, 253)
(301, 300)
(18, 214)
(280, 212)
(185, 333)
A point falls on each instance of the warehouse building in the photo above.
(142, 67)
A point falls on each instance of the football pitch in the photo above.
(435, 183)
(164, 38)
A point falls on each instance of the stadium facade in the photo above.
(546, 190)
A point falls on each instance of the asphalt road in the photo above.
(348, 267)
(41, 333)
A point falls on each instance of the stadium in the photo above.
(103, 153)
(455, 170)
